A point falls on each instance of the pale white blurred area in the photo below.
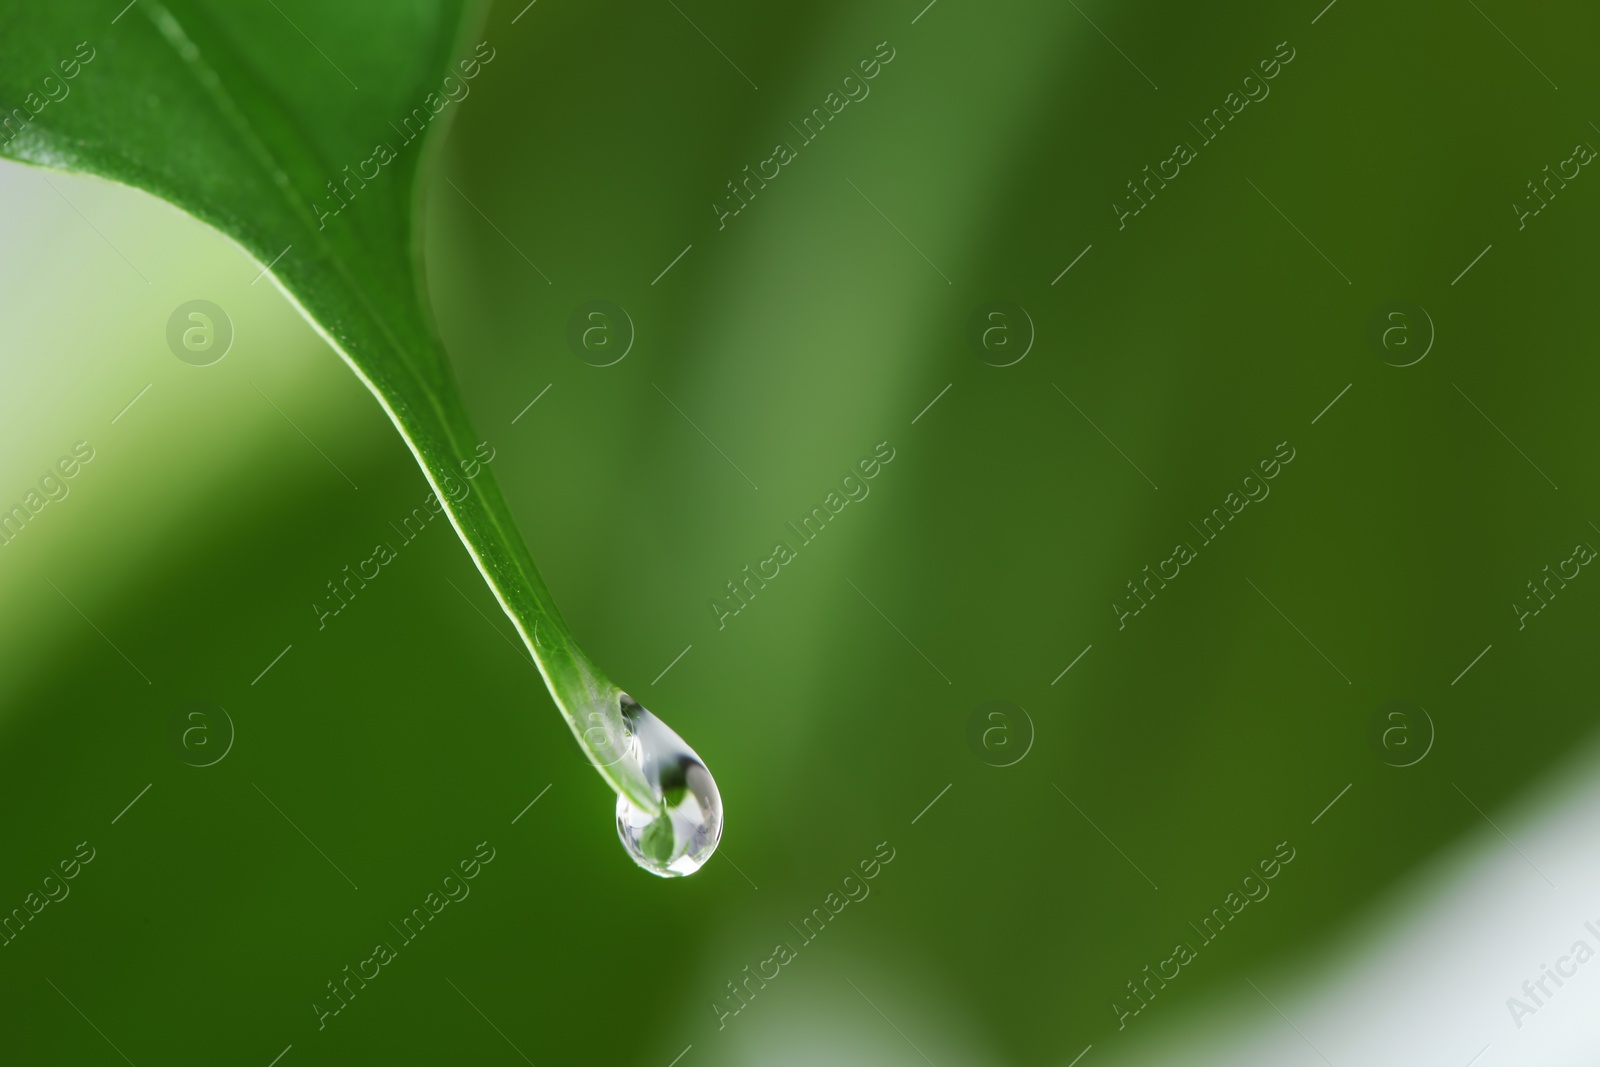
(90, 273)
(848, 999)
(1422, 978)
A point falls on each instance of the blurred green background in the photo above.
(380, 750)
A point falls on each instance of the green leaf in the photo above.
(658, 839)
(302, 131)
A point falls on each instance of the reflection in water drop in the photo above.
(678, 836)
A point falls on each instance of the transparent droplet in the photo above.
(678, 836)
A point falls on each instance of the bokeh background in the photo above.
(836, 709)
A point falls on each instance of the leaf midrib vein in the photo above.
(262, 150)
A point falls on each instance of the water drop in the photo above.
(679, 833)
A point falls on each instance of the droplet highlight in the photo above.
(678, 835)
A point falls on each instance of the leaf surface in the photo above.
(302, 131)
